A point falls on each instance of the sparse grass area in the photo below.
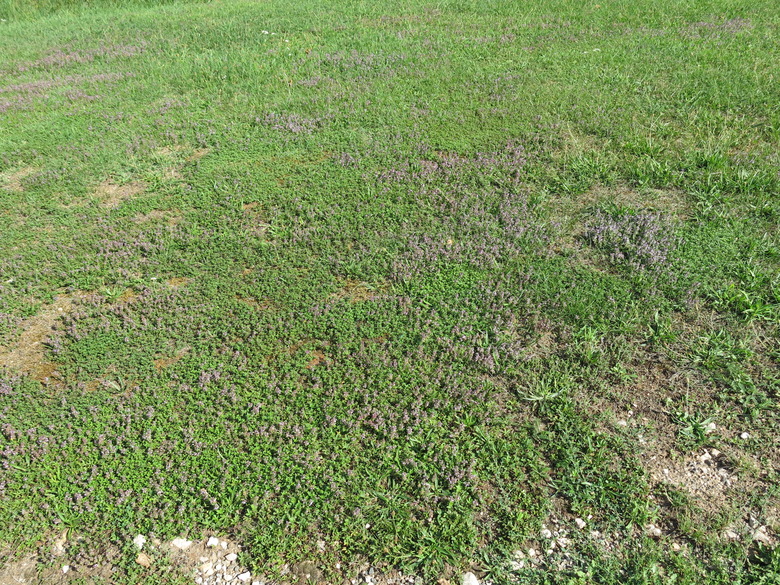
(409, 279)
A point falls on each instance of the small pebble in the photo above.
(212, 542)
(653, 530)
(580, 523)
(65, 568)
(139, 541)
(223, 544)
(546, 533)
(676, 547)
(744, 436)
(181, 543)
(231, 557)
(469, 579)
(244, 576)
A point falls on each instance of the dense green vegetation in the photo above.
(412, 279)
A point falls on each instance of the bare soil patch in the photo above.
(27, 355)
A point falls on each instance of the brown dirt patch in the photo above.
(112, 195)
(13, 180)
(27, 355)
(705, 475)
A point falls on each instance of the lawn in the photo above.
(414, 285)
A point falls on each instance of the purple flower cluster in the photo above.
(65, 56)
(642, 241)
(453, 169)
(728, 28)
(25, 95)
(292, 123)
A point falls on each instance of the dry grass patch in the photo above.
(178, 281)
(12, 181)
(158, 215)
(110, 195)
(166, 361)
(356, 291)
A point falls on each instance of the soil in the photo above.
(27, 355)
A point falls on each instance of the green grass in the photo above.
(389, 275)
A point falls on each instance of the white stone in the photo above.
(65, 568)
(580, 523)
(744, 436)
(469, 579)
(676, 547)
(231, 557)
(731, 535)
(206, 567)
(546, 533)
(139, 541)
(227, 577)
(653, 530)
(244, 576)
(760, 535)
(531, 552)
(181, 543)
(622, 423)
(212, 541)
(223, 544)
